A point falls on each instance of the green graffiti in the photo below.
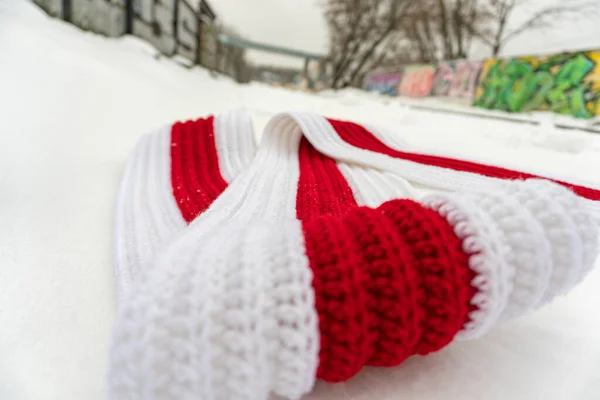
(557, 84)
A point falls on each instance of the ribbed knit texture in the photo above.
(389, 283)
(174, 174)
(245, 272)
(359, 137)
(322, 189)
(195, 174)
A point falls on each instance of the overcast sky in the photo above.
(299, 24)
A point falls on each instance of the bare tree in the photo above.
(497, 30)
(441, 29)
(463, 14)
(360, 33)
(368, 34)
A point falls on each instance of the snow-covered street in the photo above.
(72, 106)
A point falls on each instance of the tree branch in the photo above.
(541, 19)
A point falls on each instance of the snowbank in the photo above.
(72, 106)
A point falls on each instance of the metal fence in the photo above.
(174, 27)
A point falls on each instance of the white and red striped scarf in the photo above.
(244, 271)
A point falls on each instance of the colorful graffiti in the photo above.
(456, 79)
(443, 78)
(384, 83)
(566, 84)
(417, 81)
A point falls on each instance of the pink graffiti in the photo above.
(417, 81)
(383, 83)
(464, 82)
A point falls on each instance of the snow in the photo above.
(73, 104)
(464, 105)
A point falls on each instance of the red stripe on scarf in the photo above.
(322, 189)
(358, 136)
(195, 175)
(388, 282)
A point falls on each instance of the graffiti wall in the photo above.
(566, 84)
(384, 83)
(417, 81)
(456, 79)
(443, 78)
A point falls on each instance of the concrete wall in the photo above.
(100, 16)
(186, 32)
(210, 46)
(153, 22)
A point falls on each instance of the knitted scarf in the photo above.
(247, 270)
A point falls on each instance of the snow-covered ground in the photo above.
(464, 106)
(73, 104)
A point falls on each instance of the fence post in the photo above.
(66, 10)
(305, 72)
(198, 59)
(129, 17)
(219, 55)
(175, 26)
